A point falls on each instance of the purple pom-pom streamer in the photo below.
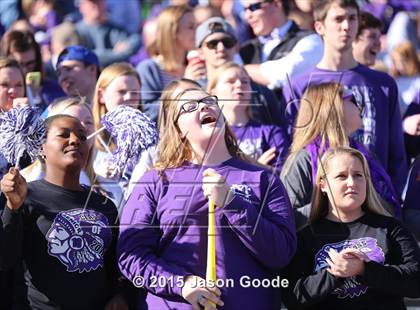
(133, 133)
(21, 130)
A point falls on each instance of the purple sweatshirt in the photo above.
(164, 235)
(255, 138)
(377, 93)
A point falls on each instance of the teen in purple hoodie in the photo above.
(337, 22)
(163, 241)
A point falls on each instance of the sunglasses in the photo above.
(349, 95)
(193, 105)
(227, 42)
(359, 107)
(256, 6)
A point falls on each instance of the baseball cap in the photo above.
(79, 53)
(210, 26)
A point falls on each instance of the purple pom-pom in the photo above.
(133, 132)
(21, 130)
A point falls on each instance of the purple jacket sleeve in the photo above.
(138, 241)
(268, 231)
(397, 161)
(290, 101)
(277, 138)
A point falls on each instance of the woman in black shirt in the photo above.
(352, 254)
(64, 233)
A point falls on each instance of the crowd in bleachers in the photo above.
(298, 119)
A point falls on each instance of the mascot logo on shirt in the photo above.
(251, 147)
(368, 246)
(243, 191)
(79, 238)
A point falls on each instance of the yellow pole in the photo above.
(211, 245)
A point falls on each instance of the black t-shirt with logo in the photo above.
(393, 270)
(66, 240)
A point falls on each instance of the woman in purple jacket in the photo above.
(163, 238)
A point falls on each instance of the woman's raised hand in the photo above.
(21, 102)
(195, 70)
(14, 187)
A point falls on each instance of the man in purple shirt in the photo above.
(375, 92)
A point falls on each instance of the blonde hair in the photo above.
(320, 202)
(98, 109)
(57, 107)
(173, 149)
(215, 76)
(406, 51)
(320, 115)
(166, 36)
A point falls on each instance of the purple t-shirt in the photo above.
(163, 234)
(377, 93)
(256, 138)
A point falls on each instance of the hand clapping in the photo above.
(347, 263)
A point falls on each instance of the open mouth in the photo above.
(209, 119)
(373, 53)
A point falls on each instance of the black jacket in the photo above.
(251, 50)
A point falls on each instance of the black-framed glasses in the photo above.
(192, 105)
(227, 42)
(256, 6)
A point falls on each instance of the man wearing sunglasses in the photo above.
(218, 44)
(281, 49)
